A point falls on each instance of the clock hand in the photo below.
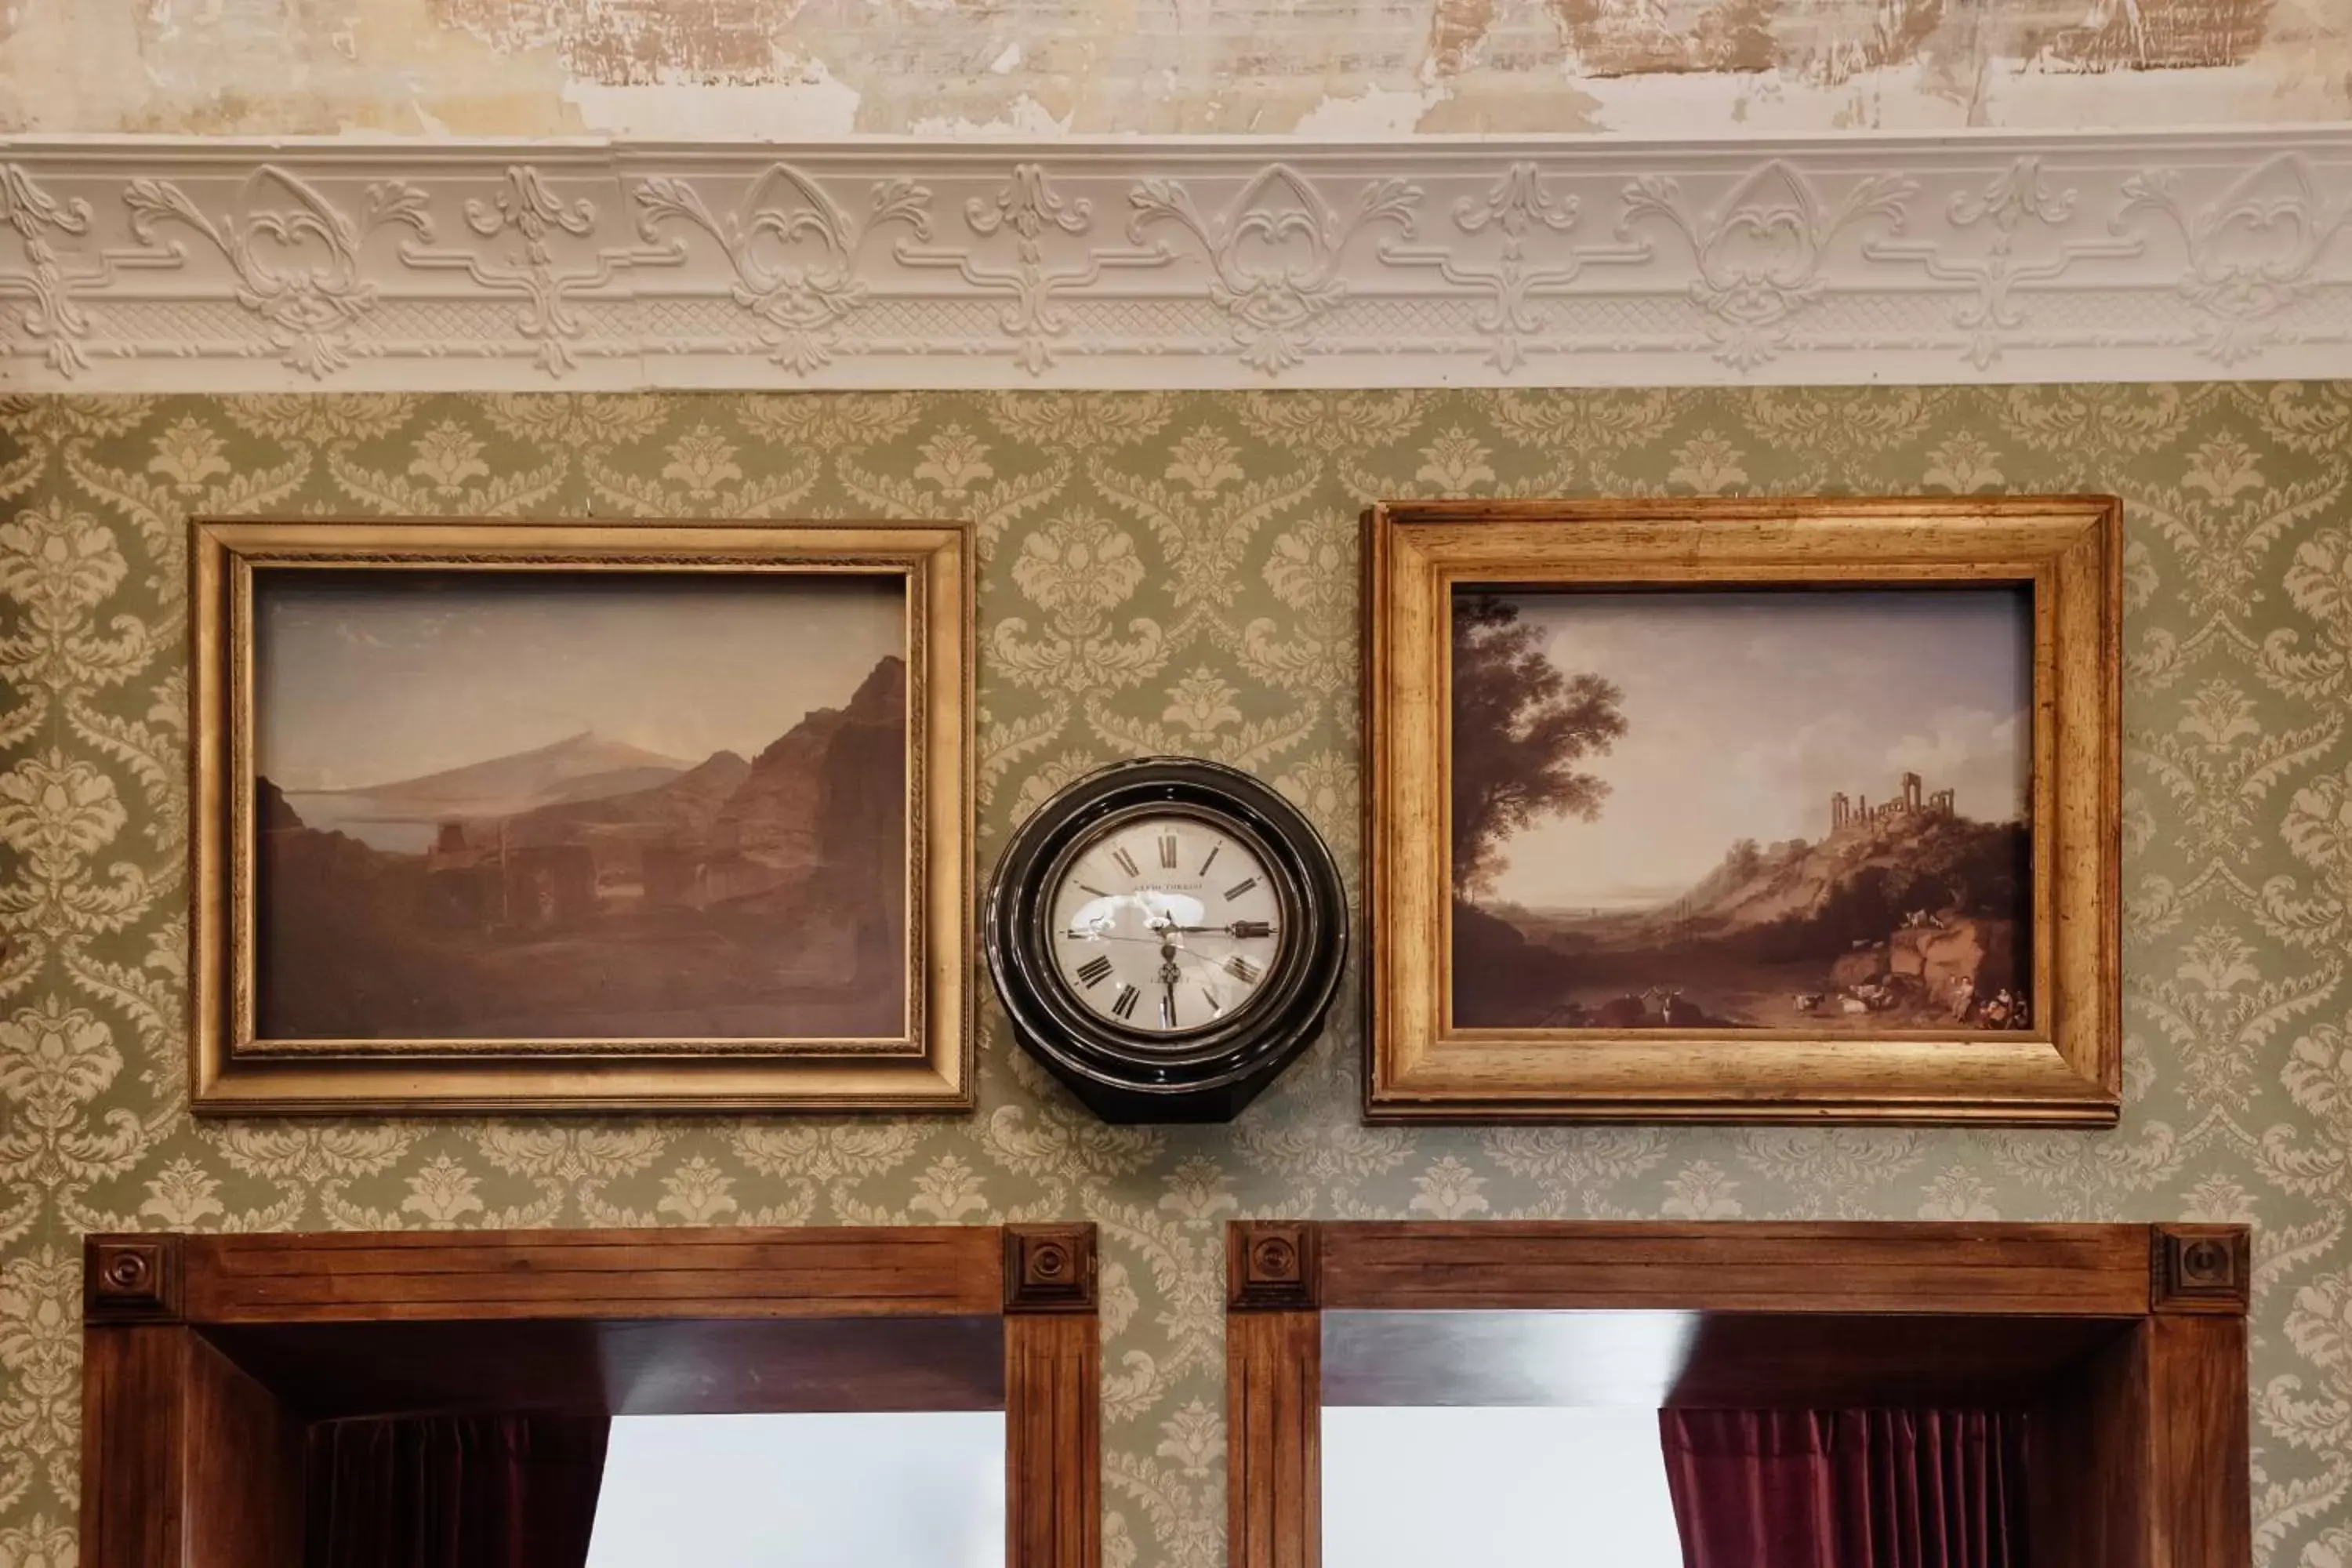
(1238, 928)
(1169, 976)
(1182, 951)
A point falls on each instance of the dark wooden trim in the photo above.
(2085, 1438)
(2097, 1270)
(131, 1279)
(1274, 1410)
(817, 1272)
(2140, 1443)
(192, 1449)
(2201, 1269)
(1053, 1414)
(133, 1446)
(1049, 1269)
(187, 1462)
(662, 1366)
(2197, 1494)
(243, 1466)
(1271, 1265)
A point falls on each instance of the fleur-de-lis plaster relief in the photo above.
(2254, 251)
(793, 250)
(2007, 204)
(529, 209)
(1275, 252)
(2170, 257)
(52, 319)
(1030, 210)
(1518, 207)
(297, 267)
(1760, 251)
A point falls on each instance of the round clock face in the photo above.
(1166, 936)
(1165, 922)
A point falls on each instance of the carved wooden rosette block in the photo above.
(2202, 1269)
(131, 1279)
(1271, 1266)
(1049, 1268)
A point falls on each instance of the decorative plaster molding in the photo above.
(229, 266)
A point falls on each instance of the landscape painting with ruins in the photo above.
(1800, 811)
(580, 806)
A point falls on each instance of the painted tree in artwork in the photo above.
(1521, 725)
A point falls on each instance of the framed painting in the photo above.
(1744, 811)
(501, 816)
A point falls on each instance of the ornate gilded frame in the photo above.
(2068, 1070)
(927, 1067)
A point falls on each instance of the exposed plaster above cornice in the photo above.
(232, 265)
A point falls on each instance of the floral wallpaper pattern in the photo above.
(1178, 573)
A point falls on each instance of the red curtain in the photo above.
(453, 1491)
(1847, 1489)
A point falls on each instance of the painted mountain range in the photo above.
(594, 889)
(587, 766)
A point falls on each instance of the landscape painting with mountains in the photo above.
(1804, 811)
(580, 809)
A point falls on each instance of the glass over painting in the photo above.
(580, 806)
(1792, 810)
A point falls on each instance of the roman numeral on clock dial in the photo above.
(1126, 861)
(1238, 889)
(1124, 1005)
(1243, 970)
(1095, 971)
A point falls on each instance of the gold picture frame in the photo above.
(586, 924)
(1542, 1040)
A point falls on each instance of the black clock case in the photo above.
(1203, 1075)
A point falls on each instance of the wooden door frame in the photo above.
(191, 1460)
(2153, 1472)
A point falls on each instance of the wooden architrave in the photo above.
(2067, 1069)
(2141, 1453)
(193, 1423)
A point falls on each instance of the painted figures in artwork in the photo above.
(1801, 811)
(579, 809)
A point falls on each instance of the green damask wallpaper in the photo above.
(1177, 574)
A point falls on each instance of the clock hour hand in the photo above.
(1238, 928)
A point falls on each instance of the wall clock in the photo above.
(1166, 936)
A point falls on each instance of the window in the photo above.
(1501, 1487)
(922, 1489)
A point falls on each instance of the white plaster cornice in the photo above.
(215, 265)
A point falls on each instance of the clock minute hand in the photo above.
(1238, 928)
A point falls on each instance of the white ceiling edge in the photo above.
(217, 265)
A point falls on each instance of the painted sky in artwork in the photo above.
(1746, 710)
(361, 683)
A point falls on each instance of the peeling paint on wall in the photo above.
(787, 68)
